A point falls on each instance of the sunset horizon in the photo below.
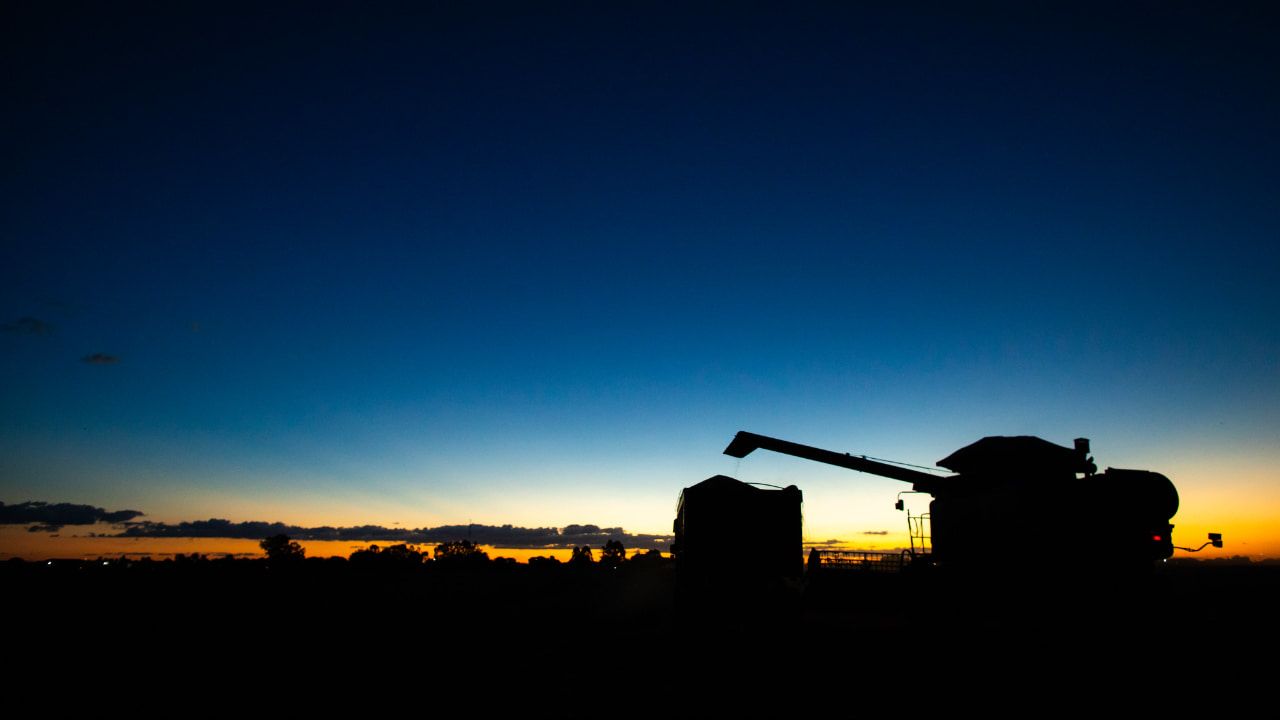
(526, 269)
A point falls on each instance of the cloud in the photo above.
(51, 517)
(499, 536)
(581, 529)
(100, 359)
(875, 532)
(27, 326)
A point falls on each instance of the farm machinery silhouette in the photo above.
(1012, 502)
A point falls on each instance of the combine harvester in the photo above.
(1019, 504)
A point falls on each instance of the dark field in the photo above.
(313, 609)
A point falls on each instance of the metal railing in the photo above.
(864, 560)
(920, 528)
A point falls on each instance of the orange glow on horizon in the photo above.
(17, 542)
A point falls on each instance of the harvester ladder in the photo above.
(920, 528)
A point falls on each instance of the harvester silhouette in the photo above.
(1020, 502)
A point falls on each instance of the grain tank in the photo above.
(730, 535)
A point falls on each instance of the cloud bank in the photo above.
(500, 536)
(51, 517)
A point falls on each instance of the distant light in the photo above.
(49, 563)
(1156, 538)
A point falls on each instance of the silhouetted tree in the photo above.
(280, 549)
(613, 554)
(460, 551)
(581, 556)
(365, 554)
(401, 555)
(405, 553)
(653, 556)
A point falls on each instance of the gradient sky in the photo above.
(535, 263)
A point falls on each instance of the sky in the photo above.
(434, 264)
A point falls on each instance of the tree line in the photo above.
(281, 550)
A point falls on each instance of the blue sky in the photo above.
(433, 263)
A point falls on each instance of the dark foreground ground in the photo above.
(841, 631)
